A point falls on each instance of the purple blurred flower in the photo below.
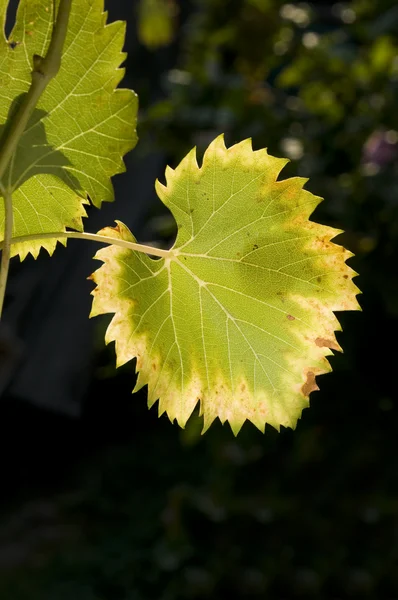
(380, 148)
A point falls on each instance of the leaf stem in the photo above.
(102, 239)
(44, 69)
(6, 253)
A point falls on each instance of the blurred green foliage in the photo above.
(156, 22)
(317, 83)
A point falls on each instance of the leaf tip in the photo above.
(160, 188)
(236, 426)
(215, 149)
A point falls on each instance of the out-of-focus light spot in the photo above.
(386, 404)
(366, 244)
(286, 34)
(264, 515)
(370, 169)
(287, 11)
(337, 8)
(280, 48)
(292, 148)
(260, 95)
(370, 514)
(296, 128)
(378, 150)
(179, 77)
(310, 40)
(294, 103)
(345, 180)
(282, 45)
(344, 12)
(376, 101)
(392, 136)
(307, 579)
(359, 580)
(348, 15)
(298, 13)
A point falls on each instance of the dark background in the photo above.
(101, 500)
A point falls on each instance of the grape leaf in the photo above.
(81, 127)
(240, 314)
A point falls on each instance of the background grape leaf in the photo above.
(239, 316)
(82, 126)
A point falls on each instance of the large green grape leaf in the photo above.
(82, 125)
(240, 314)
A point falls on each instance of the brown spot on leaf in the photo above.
(324, 343)
(154, 366)
(263, 408)
(290, 317)
(310, 384)
(242, 388)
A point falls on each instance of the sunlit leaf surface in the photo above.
(81, 127)
(240, 315)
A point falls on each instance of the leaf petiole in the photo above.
(102, 239)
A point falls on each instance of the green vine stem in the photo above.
(44, 69)
(102, 239)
